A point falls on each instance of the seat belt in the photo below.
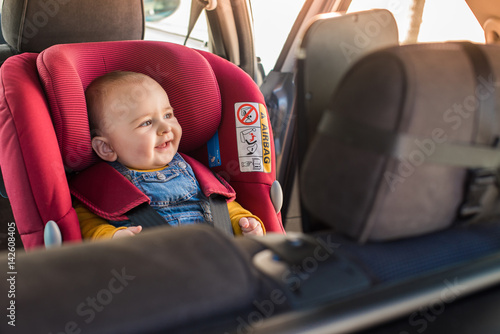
(113, 185)
(220, 214)
(481, 188)
(146, 216)
(197, 7)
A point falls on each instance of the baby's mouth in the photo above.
(163, 145)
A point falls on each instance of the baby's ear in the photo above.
(103, 149)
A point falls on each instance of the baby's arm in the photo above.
(243, 222)
(94, 227)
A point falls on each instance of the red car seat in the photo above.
(32, 26)
(45, 131)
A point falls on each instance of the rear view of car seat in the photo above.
(410, 136)
(330, 46)
(207, 92)
(385, 177)
(410, 146)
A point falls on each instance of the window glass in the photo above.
(458, 23)
(442, 20)
(174, 27)
(273, 20)
(270, 29)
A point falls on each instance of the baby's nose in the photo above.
(163, 129)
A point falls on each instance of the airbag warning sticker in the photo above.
(252, 136)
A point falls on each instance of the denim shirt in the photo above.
(174, 192)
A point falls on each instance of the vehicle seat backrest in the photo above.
(32, 25)
(430, 96)
(330, 46)
(206, 92)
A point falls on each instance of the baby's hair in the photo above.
(100, 87)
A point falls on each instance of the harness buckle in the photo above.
(479, 182)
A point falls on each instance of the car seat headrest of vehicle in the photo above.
(32, 25)
(392, 164)
(66, 71)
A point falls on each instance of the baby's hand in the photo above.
(250, 226)
(129, 231)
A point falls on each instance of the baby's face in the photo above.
(143, 130)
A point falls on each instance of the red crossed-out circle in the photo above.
(244, 117)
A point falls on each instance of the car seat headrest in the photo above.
(33, 25)
(66, 71)
(387, 160)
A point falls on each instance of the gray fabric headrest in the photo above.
(381, 165)
(34, 25)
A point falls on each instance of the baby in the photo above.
(134, 129)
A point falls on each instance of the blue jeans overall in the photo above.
(174, 192)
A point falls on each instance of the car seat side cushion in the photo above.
(30, 157)
(210, 183)
(106, 192)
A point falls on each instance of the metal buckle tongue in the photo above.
(479, 181)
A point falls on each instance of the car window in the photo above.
(272, 29)
(442, 20)
(174, 27)
(438, 24)
(269, 38)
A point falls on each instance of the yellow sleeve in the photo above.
(236, 212)
(92, 226)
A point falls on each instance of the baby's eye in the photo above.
(168, 115)
(147, 123)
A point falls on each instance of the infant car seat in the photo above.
(33, 26)
(45, 132)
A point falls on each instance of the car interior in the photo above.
(376, 174)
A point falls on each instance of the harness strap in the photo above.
(486, 129)
(220, 214)
(116, 197)
(145, 216)
(481, 187)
